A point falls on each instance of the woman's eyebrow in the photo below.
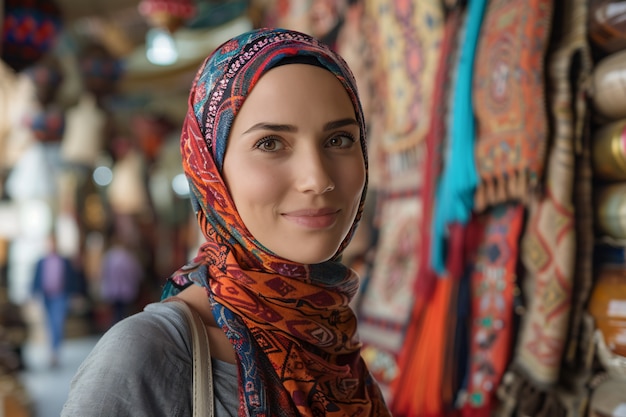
(340, 123)
(275, 127)
(272, 126)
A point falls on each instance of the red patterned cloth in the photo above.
(493, 280)
(509, 99)
(431, 315)
(550, 254)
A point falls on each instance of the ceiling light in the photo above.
(160, 47)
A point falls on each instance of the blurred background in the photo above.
(492, 250)
(92, 97)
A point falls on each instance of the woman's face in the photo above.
(294, 165)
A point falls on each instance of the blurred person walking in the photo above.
(55, 280)
(120, 278)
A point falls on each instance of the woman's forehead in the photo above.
(289, 89)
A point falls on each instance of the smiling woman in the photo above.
(294, 166)
(273, 146)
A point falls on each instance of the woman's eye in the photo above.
(341, 141)
(269, 145)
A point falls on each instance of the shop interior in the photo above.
(492, 252)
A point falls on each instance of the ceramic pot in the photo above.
(608, 86)
(609, 151)
(607, 305)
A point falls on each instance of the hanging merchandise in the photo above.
(607, 24)
(434, 299)
(168, 15)
(607, 305)
(429, 341)
(494, 283)
(18, 93)
(400, 114)
(47, 125)
(509, 100)
(47, 120)
(549, 250)
(611, 210)
(455, 190)
(385, 306)
(403, 74)
(127, 192)
(8, 80)
(29, 30)
(609, 151)
(99, 69)
(607, 93)
(85, 131)
(47, 77)
(151, 131)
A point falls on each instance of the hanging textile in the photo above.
(435, 141)
(509, 99)
(454, 196)
(419, 392)
(493, 283)
(426, 343)
(549, 247)
(85, 132)
(406, 38)
(385, 306)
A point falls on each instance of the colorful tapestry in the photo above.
(455, 190)
(435, 141)
(509, 99)
(385, 306)
(406, 36)
(425, 334)
(493, 282)
(549, 249)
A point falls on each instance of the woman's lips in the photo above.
(314, 219)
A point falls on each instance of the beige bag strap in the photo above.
(202, 373)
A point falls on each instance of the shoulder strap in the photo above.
(202, 372)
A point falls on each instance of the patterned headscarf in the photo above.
(291, 325)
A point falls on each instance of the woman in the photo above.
(273, 146)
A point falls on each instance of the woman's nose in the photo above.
(314, 173)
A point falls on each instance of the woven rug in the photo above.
(430, 328)
(406, 37)
(509, 99)
(433, 154)
(549, 250)
(493, 282)
(385, 305)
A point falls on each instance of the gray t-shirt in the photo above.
(142, 366)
